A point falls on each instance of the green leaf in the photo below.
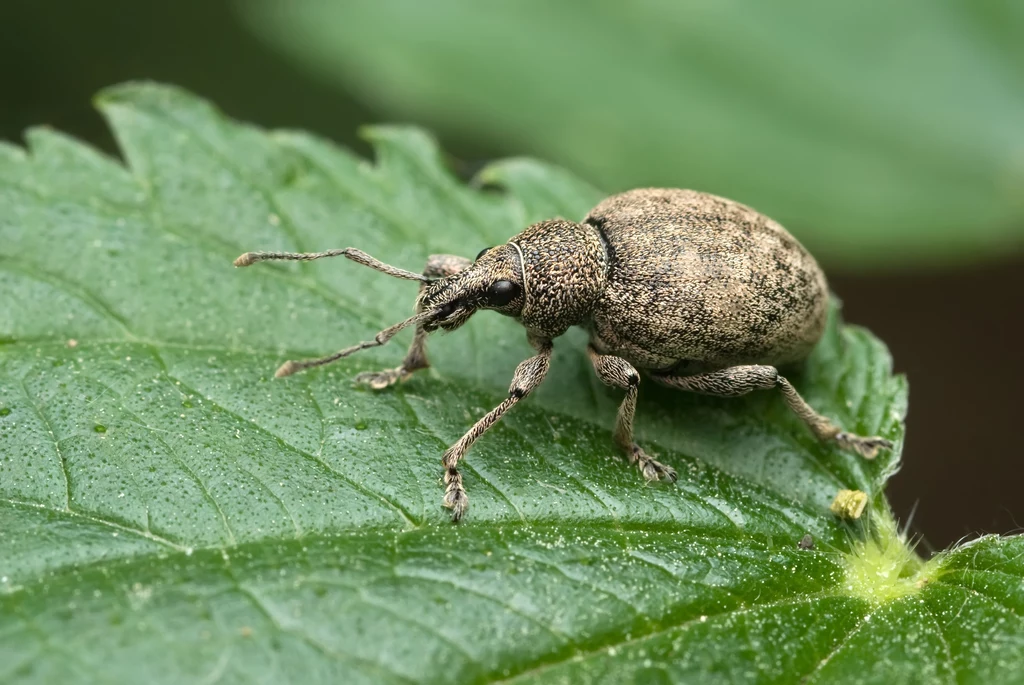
(171, 513)
(880, 133)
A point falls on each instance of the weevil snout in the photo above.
(450, 311)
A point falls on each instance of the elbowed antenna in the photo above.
(355, 255)
(290, 367)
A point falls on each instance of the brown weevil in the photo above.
(701, 293)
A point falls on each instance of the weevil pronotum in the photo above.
(701, 293)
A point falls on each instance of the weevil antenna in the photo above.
(355, 255)
(290, 366)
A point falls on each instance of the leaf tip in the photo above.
(122, 92)
(143, 94)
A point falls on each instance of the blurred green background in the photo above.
(888, 137)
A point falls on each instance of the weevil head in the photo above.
(549, 277)
(493, 281)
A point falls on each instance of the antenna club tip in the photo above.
(287, 369)
(246, 259)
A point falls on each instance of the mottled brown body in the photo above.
(702, 293)
(700, 282)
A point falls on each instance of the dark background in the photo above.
(955, 332)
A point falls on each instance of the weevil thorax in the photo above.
(564, 267)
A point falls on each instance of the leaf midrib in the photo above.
(130, 567)
(170, 550)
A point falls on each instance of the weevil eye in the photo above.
(482, 252)
(502, 293)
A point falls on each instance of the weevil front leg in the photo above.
(528, 376)
(438, 266)
(617, 372)
(740, 380)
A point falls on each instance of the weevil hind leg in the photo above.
(740, 380)
(438, 266)
(618, 373)
(651, 468)
(866, 446)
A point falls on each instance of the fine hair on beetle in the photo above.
(701, 293)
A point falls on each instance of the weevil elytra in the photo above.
(699, 292)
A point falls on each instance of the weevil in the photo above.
(700, 293)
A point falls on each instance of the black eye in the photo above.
(501, 293)
(483, 252)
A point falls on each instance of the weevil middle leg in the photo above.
(619, 373)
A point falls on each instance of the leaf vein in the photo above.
(295, 450)
(840, 645)
(95, 518)
(942, 638)
(532, 672)
(565, 639)
(986, 597)
(75, 290)
(317, 645)
(56, 443)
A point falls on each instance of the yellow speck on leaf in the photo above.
(849, 504)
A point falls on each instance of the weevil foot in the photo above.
(378, 380)
(865, 447)
(455, 497)
(651, 469)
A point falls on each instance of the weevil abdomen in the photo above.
(700, 278)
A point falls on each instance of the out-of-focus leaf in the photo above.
(880, 133)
